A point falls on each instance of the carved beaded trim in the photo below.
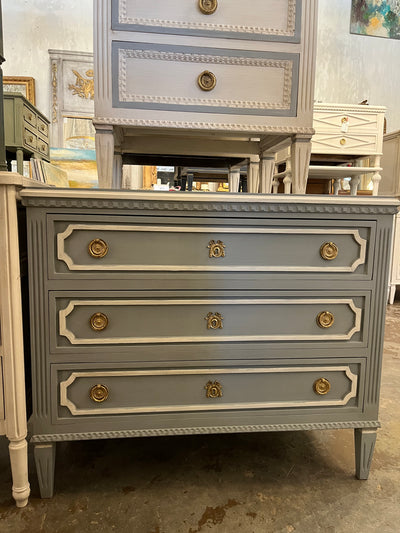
(124, 96)
(201, 431)
(290, 28)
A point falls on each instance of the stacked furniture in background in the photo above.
(204, 79)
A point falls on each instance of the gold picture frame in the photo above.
(22, 84)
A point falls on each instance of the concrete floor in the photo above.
(299, 482)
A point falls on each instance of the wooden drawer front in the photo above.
(157, 391)
(30, 139)
(43, 146)
(344, 143)
(167, 78)
(267, 20)
(43, 128)
(341, 122)
(29, 116)
(135, 247)
(102, 321)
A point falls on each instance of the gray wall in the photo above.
(350, 68)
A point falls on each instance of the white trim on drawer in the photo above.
(66, 402)
(63, 256)
(64, 331)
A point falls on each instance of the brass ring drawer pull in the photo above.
(329, 251)
(208, 7)
(217, 249)
(214, 321)
(99, 393)
(213, 389)
(98, 248)
(98, 321)
(207, 81)
(325, 319)
(322, 386)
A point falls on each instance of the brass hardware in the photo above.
(99, 393)
(329, 251)
(325, 319)
(98, 248)
(214, 321)
(208, 7)
(322, 386)
(342, 142)
(30, 139)
(30, 116)
(214, 389)
(207, 81)
(217, 249)
(98, 321)
(344, 120)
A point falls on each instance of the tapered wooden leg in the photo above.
(45, 458)
(18, 450)
(300, 155)
(364, 442)
(105, 155)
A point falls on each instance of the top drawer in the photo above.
(29, 116)
(89, 246)
(342, 121)
(267, 20)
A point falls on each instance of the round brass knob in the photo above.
(214, 321)
(99, 393)
(98, 248)
(342, 142)
(208, 7)
(329, 251)
(207, 81)
(322, 386)
(98, 321)
(325, 319)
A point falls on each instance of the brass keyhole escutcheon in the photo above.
(325, 319)
(99, 393)
(329, 251)
(208, 7)
(98, 248)
(214, 321)
(207, 81)
(322, 386)
(214, 389)
(98, 321)
(217, 249)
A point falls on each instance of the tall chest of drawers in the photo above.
(159, 314)
(204, 78)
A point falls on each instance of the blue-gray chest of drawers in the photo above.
(164, 314)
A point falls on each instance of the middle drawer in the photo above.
(82, 321)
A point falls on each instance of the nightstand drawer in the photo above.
(87, 321)
(29, 116)
(88, 248)
(30, 139)
(204, 80)
(43, 128)
(347, 121)
(339, 143)
(115, 392)
(266, 20)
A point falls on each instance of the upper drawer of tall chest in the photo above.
(264, 20)
(90, 246)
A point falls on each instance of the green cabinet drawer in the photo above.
(90, 247)
(115, 392)
(29, 116)
(43, 147)
(30, 139)
(42, 128)
(109, 319)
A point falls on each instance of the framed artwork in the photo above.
(20, 84)
(379, 18)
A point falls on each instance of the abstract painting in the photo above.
(379, 18)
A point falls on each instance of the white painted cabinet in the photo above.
(204, 78)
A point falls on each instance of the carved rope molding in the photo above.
(154, 205)
(123, 18)
(94, 435)
(124, 96)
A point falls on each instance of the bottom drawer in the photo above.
(109, 392)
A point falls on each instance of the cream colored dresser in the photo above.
(204, 78)
(344, 135)
(391, 187)
(194, 313)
